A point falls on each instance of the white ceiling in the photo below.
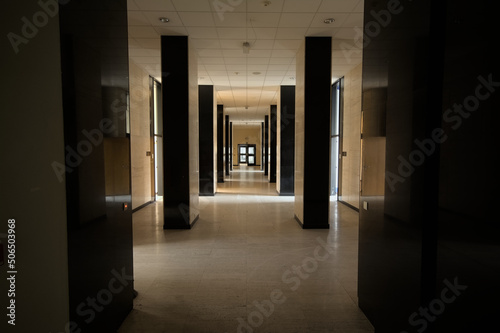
(245, 83)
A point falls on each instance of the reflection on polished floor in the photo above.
(246, 266)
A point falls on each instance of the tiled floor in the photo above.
(245, 267)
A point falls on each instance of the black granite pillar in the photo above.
(266, 145)
(272, 144)
(287, 140)
(220, 143)
(231, 146)
(180, 134)
(227, 157)
(206, 99)
(312, 151)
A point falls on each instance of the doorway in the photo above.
(336, 140)
(156, 140)
(246, 154)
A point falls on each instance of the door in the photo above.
(251, 151)
(242, 154)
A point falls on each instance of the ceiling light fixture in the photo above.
(246, 47)
(256, 73)
(164, 20)
(266, 3)
(329, 20)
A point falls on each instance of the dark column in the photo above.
(439, 121)
(262, 158)
(312, 194)
(231, 146)
(179, 137)
(287, 140)
(98, 192)
(220, 143)
(228, 159)
(206, 148)
(266, 145)
(272, 144)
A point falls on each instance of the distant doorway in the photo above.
(246, 154)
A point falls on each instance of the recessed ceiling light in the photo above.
(329, 20)
(164, 20)
(256, 73)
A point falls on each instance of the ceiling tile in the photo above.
(262, 33)
(222, 8)
(235, 68)
(348, 33)
(149, 43)
(319, 18)
(346, 54)
(234, 61)
(212, 61)
(165, 5)
(196, 19)
(287, 44)
(230, 20)
(231, 44)
(258, 6)
(301, 6)
(137, 18)
(175, 31)
(283, 53)
(258, 61)
(340, 6)
(154, 19)
(266, 44)
(131, 5)
(197, 32)
(295, 20)
(233, 53)
(205, 43)
(232, 33)
(281, 61)
(322, 31)
(142, 32)
(259, 53)
(192, 5)
(290, 33)
(210, 53)
(359, 7)
(263, 20)
(354, 20)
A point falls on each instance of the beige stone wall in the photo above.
(139, 135)
(352, 137)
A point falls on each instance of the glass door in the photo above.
(242, 154)
(251, 151)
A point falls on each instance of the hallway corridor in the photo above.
(246, 266)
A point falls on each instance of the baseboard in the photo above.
(349, 205)
(142, 206)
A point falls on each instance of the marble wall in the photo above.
(247, 134)
(351, 137)
(140, 136)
